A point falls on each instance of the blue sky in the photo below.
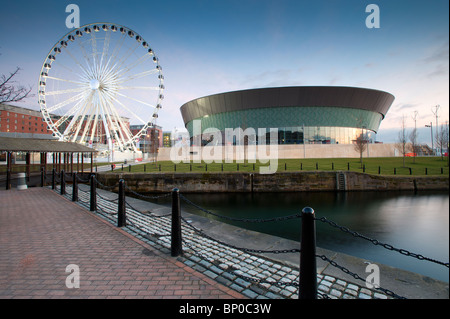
(208, 47)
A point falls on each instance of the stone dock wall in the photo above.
(218, 182)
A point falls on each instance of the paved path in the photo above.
(41, 233)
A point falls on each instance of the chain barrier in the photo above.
(236, 272)
(356, 276)
(104, 186)
(246, 220)
(145, 196)
(378, 243)
(259, 251)
(107, 199)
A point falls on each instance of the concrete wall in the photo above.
(223, 153)
(279, 182)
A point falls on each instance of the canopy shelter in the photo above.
(63, 154)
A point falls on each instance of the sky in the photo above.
(210, 46)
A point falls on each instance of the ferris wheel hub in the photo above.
(94, 84)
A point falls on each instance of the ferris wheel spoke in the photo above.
(113, 55)
(85, 71)
(142, 59)
(113, 124)
(127, 109)
(154, 88)
(65, 91)
(82, 120)
(124, 129)
(88, 124)
(136, 76)
(74, 98)
(124, 58)
(65, 80)
(136, 100)
(86, 57)
(105, 47)
(76, 118)
(69, 113)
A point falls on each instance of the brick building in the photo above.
(22, 122)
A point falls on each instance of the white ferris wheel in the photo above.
(97, 83)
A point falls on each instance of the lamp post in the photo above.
(432, 144)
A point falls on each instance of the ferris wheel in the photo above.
(101, 85)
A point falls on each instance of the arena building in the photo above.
(302, 114)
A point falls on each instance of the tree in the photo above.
(360, 145)
(402, 141)
(442, 140)
(415, 147)
(10, 91)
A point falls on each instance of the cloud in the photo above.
(407, 106)
(273, 78)
(439, 59)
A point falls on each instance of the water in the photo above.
(418, 223)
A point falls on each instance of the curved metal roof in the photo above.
(298, 96)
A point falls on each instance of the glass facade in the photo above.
(295, 125)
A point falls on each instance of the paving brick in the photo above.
(41, 233)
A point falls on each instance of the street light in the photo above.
(432, 144)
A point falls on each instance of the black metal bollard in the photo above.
(308, 267)
(121, 210)
(53, 178)
(8, 179)
(74, 187)
(176, 248)
(42, 177)
(93, 206)
(63, 183)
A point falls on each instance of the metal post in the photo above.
(53, 178)
(74, 187)
(63, 183)
(42, 177)
(176, 248)
(308, 267)
(8, 179)
(93, 206)
(121, 210)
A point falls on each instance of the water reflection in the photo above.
(418, 223)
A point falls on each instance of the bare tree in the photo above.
(360, 145)
(10, 91)
(415, 147)
(402, 141)
(442, 140)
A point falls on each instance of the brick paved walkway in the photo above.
(42, 233)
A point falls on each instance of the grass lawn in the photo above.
(419, 166)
